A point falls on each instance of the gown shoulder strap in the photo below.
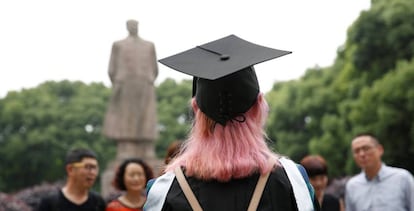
(195, 205)
(300, 189)
(258, 191)
(187, 190)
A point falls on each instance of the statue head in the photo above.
(132, 26)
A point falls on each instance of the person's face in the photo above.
(367, 153)
(84, 173)
(134, 177)
(319, 183)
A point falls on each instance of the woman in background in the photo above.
(317, 170)
(131, 177)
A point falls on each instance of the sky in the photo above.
(56, 40)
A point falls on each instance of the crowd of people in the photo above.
(377, 187)
(81, 165)
(226, 164)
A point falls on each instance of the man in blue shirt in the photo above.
(378, 186)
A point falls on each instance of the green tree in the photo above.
(387, 109)
(174, 113)
(38, 126)
(297, 110)
(382, 36)
(320, 112)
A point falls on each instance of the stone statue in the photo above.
(131, 114)
(131, 118)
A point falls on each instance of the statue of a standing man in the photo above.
(131, 114)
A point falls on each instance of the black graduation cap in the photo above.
(225, 84)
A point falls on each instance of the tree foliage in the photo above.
(364, 90)
(173, 112)
(38, 126)
(367, 89)
(387, 109)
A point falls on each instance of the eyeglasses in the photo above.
(364, 149)
(86, 166)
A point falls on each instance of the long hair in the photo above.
(235, 150)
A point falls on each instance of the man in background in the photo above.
(378, 186)
(82, 169)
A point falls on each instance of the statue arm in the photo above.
(155, 65)
(112, 63)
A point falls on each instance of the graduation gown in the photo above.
(234, 195)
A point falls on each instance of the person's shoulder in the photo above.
(330, 202)
(401, 173)
(354, 182)
(114, 204)
(48, 201)
(356, 179)
(280, 178)
(96, 197)
(165, 178)
(287, 165)
(398, 170)
(149, 185)
(296, 180)
(53, 195)
(330, 197)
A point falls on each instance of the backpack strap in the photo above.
(258, 191)
(195, 205)
(187, 190)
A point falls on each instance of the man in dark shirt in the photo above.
(82, 169)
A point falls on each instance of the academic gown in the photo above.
(234, 195)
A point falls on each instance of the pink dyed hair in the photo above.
(234, 151)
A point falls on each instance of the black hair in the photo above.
(76, 155)
(373, 137)
(119, 182)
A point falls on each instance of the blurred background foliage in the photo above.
(368, 88)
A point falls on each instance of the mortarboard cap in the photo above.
(225, 84)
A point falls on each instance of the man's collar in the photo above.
(382, 173)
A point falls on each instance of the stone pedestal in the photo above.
(144, 150)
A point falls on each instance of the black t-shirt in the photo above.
(330, 203)
(58, 202)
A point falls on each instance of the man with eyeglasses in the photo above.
(378, 186)
(82, 169)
